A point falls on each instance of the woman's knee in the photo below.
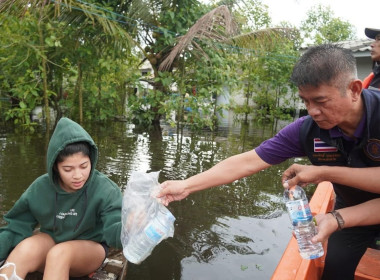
(30, 254)
(34, 246)
(60, 252)
(73, 257)
(81, 256)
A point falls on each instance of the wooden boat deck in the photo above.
(293, 267)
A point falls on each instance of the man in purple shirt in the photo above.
(340, 135)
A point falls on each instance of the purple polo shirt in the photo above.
(286, 143)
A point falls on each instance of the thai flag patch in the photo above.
(322, 147)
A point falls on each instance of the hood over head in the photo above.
(67, 132)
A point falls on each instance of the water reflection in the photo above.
(245, 249)
(236, 231)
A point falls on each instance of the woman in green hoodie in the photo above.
(77, 209)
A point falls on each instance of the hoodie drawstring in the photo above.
(84, 209)
(55, 211)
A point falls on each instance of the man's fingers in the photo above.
(291, 182)
(163, 190)
(315, 239)
(285, 184)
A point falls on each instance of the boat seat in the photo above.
(369, 266)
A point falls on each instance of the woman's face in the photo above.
(74, 171)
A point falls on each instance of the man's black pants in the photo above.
(345, 249)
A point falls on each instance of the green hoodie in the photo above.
(91, 213)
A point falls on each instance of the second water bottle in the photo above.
(302, 220)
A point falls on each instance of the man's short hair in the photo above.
(326, 64)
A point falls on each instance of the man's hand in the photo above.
(327, 224)
(173, 190)
(302, 175)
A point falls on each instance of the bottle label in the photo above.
(154, 233)
(299, 210)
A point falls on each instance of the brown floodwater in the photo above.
(235, 231)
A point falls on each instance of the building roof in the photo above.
(360, 47)
(357, 46)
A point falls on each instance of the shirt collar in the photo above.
(335, 132)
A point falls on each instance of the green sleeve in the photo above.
(111, 218)
(6, 241)
(20, 225)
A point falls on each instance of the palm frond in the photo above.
(264, 37)
(73, 13)
(217, 26)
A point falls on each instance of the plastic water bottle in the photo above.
(302, 221)
(159, 228)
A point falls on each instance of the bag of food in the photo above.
(146, 221)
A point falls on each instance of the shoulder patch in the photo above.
(372, 149)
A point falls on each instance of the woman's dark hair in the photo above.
(73, 148)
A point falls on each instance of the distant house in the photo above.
(362, 52)
(361, 49)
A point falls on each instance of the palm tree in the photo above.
(146, 25)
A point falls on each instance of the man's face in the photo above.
(375, 51)
(326, 105)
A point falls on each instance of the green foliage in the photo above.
(200, 82)
(321, 26)
(265, 81)
(251, 15)
(161, 27)
(91, 69)
(188, 96)
(70, 48)
(19, 72)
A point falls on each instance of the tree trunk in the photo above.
(78, 89)
(44, 79)
(247, 95)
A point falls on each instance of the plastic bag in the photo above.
(145, 220)
(14, 276)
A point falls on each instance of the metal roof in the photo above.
(362, 45)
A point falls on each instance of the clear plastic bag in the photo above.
(146, 221)
(14, 276)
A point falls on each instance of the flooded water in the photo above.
(235, 231)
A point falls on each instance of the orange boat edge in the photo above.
(293, 267)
